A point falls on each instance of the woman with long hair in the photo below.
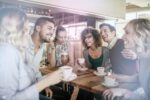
(95, 56)
(17, 77)
(94, 53)
(137, 33)
(63, 54)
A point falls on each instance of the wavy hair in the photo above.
(141, 28)
(95, 34)
(17, 38)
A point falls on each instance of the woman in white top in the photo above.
(17, 78)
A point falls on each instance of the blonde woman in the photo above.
(137, 32)
(17, 77)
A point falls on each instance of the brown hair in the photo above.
(112, 28)
(40, 21)
(59, 29)
(96, 36)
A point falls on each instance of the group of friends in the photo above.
(21, 55)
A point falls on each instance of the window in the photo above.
(74, 30)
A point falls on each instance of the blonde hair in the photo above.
(141, 28)
(17, 39)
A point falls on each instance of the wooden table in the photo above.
(88, 81)
(85, 80)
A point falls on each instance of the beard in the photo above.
(46, 40)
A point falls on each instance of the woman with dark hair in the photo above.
(61, 46)
(60, 53)
(95, 55)
(18, 79)
(137, 33)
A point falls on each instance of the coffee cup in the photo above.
(100, 70)
(81, 60)
(67, 72)
(64, 53)
(109, 80)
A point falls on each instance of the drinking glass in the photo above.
(64, 58)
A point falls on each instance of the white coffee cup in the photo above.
(100, 70)
(109, 80)
(81, 60)
(67, 72)
(64, 53)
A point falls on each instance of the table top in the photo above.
(89, 81)
(85, 80)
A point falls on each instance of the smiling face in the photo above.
(89, 40)
(131, 39)
(107, 34)
(46, 31)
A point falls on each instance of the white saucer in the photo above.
(110, 86)
(99, 74)
(83, 69)
(71, 78)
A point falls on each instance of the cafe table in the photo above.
(86, 80)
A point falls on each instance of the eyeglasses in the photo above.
(88, 37)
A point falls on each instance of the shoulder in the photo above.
(9, 55)
(8, 49)
(85, 50)
(105, 49)
(105, 52)
(120, 42)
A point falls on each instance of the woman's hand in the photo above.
(129, 54)
(55, 77)
(110, 94)
(82, 65)
(50, 79)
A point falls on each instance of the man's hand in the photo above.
(110, 94)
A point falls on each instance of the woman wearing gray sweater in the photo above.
(95, 55)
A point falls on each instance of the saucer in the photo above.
(83, 69)
(71, 78)
(110, 86)
(99, 74)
